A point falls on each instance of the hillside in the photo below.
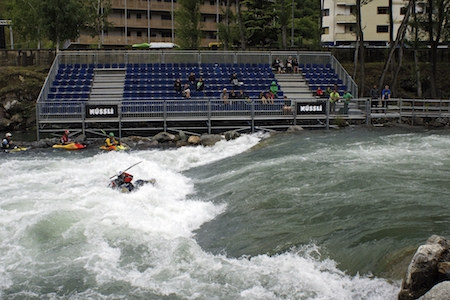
(19, 89)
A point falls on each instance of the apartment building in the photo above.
(146, 21)
(339, 21)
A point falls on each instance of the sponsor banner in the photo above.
(312, 108)
(102, 111)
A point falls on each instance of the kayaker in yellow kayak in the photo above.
(7, 143)
(111, 141)
(65, 138)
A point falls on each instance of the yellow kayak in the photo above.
(18, 149)
(71, 146)
(114, 148)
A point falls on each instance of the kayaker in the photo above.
(65, 138)
(123, 180)
(111, 141)
(7, 143)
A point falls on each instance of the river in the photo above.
(314, 215)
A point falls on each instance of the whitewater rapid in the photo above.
(65, 235)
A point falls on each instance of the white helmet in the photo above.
(8, 134)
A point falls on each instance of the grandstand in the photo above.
(138, 85)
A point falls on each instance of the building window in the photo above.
(138, 16)
(166, 17)
(139, 33)
(382, 28)
(325, 30)
(326, 12)
(403, 10)
(383, 10)
(212, 2)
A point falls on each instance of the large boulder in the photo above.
(194, 140)
(210, 139)
(426, 268)
(164, 137)
(440, 291)
(231, 135)
(295, 128)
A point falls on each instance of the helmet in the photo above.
(111, 134)
(66, 132)
(8, 134)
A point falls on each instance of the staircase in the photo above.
(294, 86)
(108, 85)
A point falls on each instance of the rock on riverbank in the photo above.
(428, 272)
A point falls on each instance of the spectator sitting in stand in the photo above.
(200, 85)
(242, 95)
(270, 96)
(287, 107)
(319, 92)
(327, 92)
(289, 65)
(274, 88)
(262, 96)
(186, 91)
(191, 78)
(232, 95)
(177, 86)
(224, 96)
(295, 65)
(235, 81)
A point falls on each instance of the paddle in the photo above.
(126, 169)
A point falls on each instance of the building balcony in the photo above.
(345, 19)
(351, 37)
(154, 24)
(119, 40)
(144, 5)
(346, 2)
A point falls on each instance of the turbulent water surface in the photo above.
(314, 215)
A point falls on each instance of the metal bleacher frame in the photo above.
(62, 105)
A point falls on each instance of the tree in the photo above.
(97, 12)
(283, 19)
(241, 25)
(259, 21)
(62, 19)
(25, 18)
(189, 26)
(228, 31)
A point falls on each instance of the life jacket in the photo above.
(65, 139)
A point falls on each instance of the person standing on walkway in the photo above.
(374, 95)
(385, 96)
(347, 97)
(334, 97)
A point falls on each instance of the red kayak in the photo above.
(71, 146)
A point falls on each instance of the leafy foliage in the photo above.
(189, 27)
(259, 22)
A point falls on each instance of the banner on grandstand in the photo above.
(312, 108)
(102, 111)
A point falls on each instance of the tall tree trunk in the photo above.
(399, 66)
(355, 58)
(241, 25)
(416, 65)
(400, 31)
(283, 25)
(226, 39)
(360, 46)
(416, 57)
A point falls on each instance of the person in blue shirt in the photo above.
(385, 95)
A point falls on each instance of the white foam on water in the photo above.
(58, 220)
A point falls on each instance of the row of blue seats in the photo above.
(218, 87)
(170, 81)
(68, 96)
(326, 81)
(75, 71)
(314, 66)
(74, 76)
(70, 89)
(70, 82)
(158, 65)
(170, 94)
